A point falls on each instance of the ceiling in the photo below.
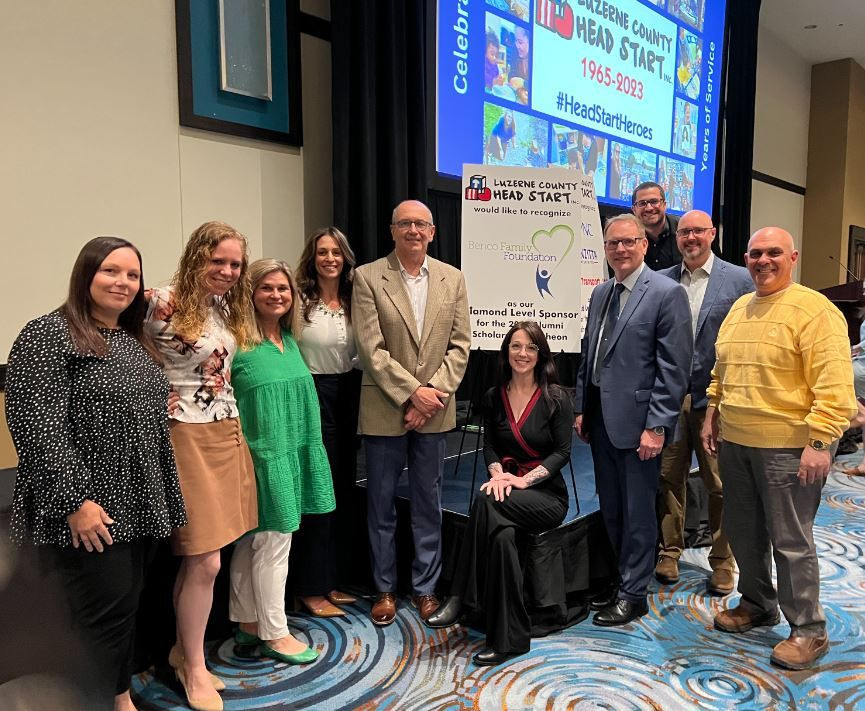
(839, 33)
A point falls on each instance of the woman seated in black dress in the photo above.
(527, 441)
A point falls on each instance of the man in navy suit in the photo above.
(636, 358)
(712, 286)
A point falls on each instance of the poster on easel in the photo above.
(532, 250)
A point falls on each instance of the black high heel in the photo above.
(448, 614)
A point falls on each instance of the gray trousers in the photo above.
(768, 513)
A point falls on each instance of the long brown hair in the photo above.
(191, 291)
(290, 321)
(546, 374)
(83, 328)
(307, 277)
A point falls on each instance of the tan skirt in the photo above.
(218, 484)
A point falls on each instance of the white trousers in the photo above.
(259, 568)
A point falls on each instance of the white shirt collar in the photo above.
(424, 269)
(631, 280)
(707, 267)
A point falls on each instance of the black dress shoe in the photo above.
(604, 599)
(447, 614)
(491, 658)
(620, 613)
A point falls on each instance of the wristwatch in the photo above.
(658, 430)
(818, 444)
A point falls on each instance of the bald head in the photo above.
(694, 238)
(412, 230)
(775, 234)
(770, 259)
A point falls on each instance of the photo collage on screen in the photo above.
(511, 136)
(516, 134)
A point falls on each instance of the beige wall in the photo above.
(7, 450)
(836, 185)
(781, 118)
(90, 144)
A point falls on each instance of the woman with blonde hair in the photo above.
(197, 323)
(279, 412)
(325, 273)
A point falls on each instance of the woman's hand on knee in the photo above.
(89, 526)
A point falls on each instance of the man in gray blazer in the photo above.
(411, 323)
(712, 286)
(636, 356)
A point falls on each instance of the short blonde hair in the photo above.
(258, 271)
(626, 217)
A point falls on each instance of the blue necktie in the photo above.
(609, 327)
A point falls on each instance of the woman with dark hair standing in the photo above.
(197, 323)
(97, 486)
(279, 412)
(324, 275)
(527, 441)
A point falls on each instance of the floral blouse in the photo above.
(200, 371)
(90, 428)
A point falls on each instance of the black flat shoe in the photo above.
(620, 613)
(448, 613)
(604, 599)
(491, 658)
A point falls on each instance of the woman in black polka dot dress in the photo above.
(97, 484)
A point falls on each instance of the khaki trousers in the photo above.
(675, 467)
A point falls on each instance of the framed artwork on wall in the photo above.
(238, 68)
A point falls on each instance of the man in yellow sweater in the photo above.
(781, 395)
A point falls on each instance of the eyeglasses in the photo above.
(529, 348)
(421, 225)
(698, 231)
(653, 202)
(612, 245)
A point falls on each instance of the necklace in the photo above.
(333, 313)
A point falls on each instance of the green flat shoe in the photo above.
(307, 656)
(244, 638)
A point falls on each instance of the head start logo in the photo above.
(556, 16)
(477, 189)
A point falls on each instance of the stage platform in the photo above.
(457, 484)
(563, 568)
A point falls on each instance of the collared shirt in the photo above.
(695, 284)
(629, 282)
(663, 252)
(417, 288)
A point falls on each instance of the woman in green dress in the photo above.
(279, 414)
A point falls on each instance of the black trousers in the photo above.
(102, 592)
(490, 574)
(319, 550)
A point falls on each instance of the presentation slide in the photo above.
(622, 90)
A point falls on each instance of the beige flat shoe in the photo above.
(175, 661)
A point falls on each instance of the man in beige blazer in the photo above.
(411, 321)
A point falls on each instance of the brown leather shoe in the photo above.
(384, 610)
(338, 597)
(798, 652)
(425, 604)
(667, 570)
(741, 619)
(721, 582)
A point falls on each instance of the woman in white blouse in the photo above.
(324, 276)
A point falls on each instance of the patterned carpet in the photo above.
(670, 659)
